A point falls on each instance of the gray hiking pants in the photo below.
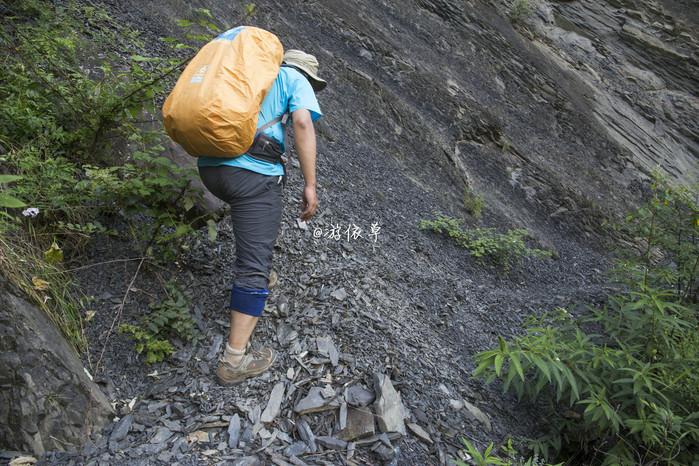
(256, 212)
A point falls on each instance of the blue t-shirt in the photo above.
(289, 92)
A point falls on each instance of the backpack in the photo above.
(212, 110)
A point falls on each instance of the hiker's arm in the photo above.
(305, 142)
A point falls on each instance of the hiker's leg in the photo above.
(256, 215)
(242, 326)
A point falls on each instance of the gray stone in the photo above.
(174, 426)
(163, 434)
(37, 365)
(296, 449)
(306, 434)
(234, 431)
(165, 457)
(215, 347)
(343, 415)
(332, 443)
(420, 433)
(358, 396)
(315, 402)
(360, 424)
(327, 391)
(326, 347)
(247, 461)
(286, 334)
(121, 429)
(456, 405)
(390, 412)
(279, 461)
(384, 452)
(274, 404)
(364, 53)
(477, 414)
(384, 438)
(340, 294)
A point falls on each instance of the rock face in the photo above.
(47, 401)
(641, 80)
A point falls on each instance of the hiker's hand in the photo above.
(309, 204)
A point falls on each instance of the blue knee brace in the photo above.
(250, 301)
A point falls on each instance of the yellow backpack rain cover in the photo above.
(212, 111)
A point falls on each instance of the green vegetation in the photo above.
(506, 456)
(250, 10)
(167, 320)
(473, 203)
(620, 382)
(503, 250)
(77, 146)
(520, 10)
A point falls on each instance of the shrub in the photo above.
(520, 10)
(506, 456)
(473, 203)
(167, 320)
(619, 383)
(76, 145)
(155, 349)
(504, 250)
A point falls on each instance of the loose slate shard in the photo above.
(340, 294)
(360, 424)
(247, 461)
(315, 402)
(296, 449)
(307, 435)
(234, 431)
(332, 443)
(215, 347)
(326, 347)
(358, 396)
(122, 428)
(388, 405)
(162, 435)
(479, 415)
(274, 404)
(286, 334)
(420, 433)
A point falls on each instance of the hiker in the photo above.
(252, 185)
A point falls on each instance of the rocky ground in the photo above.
(352, 320)
(376, 334)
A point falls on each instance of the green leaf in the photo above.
(188, 204)
(575, 394)
(499, 359)
(543, 367)
(4, 179)
(54, 254)
(10, 202)
(514, 359)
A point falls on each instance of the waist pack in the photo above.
(212, 110)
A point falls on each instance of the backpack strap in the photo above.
(283, 119)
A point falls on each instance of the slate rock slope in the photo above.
(47, 402)
(556, 122)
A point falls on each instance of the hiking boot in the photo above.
(253, 363)
(273, 279)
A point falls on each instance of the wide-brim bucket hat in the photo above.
(306, 63)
